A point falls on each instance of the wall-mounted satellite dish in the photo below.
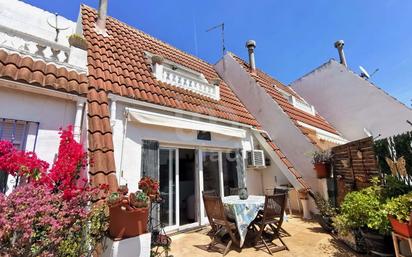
(364, 74)
(58, 23)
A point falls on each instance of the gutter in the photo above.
(40, 90)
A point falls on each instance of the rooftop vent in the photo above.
(251, 45)
(339, 45)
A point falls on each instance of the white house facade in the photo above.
(352, 104)
(42, 88)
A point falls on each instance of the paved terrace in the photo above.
(307, 239)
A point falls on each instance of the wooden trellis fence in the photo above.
(354, 164)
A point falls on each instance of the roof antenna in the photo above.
(55, 25)
(222, 26)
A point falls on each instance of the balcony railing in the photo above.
(180, 77)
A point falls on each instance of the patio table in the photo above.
(243, 211)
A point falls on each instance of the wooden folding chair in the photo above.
(218, 221)
(210, 193)
(272, 218)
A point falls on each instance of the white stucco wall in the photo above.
(272, 118)
(29, 19)
(351, 103)
(52, 113)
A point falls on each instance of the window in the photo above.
(17, 131)
(296, 102)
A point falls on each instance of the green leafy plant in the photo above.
(400, 207)
(113, 198)
(394, 187)
(78, 41)
(363, 209)
(325, 207)
(139, 199)
(322, 156)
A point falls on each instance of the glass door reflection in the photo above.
(167, 182)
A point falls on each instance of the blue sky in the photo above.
(293, 37)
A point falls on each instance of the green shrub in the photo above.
(322, 156)
(363, 209)
(325, 207)
(394, 187)
(400, 207)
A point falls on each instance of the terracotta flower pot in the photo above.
(322, 170)
(402, 228)
(125, 221)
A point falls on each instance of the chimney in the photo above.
(339, 45)
(102, 16)
(250, 45)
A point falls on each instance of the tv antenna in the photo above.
(364, 73)
(54, 23)
(222, 27)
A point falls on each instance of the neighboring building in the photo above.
(291, 121)
(43, 82)
(352, 104)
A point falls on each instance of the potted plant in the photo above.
(399, 213)
(364, 211)
(127, 218)
(157, 59)
(113, 199)
(321, 162)
(139, 199)
(123, 189)
(78, 41)
(151, 187)
(326, 212)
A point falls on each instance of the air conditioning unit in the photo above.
(256, 158)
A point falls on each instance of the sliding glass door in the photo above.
(168, 189)
(211, 171)
(184, 174)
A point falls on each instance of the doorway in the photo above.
(187, 186)
(183, 174)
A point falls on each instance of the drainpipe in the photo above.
(339, 45)
(113, 112)
(251, 45)
(78, 119)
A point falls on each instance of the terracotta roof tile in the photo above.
(119, 61)
(269, 83)
(101, 148)
(36, 72)
(288, 164)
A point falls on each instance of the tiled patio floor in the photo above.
(307, 240)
